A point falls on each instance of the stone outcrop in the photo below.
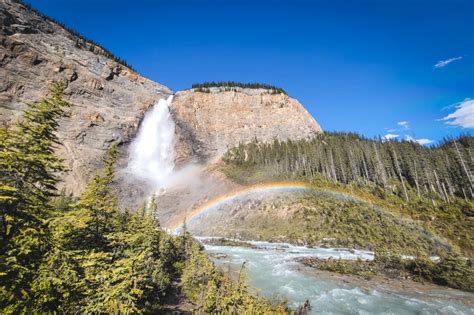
(108, 99)
(209, 123)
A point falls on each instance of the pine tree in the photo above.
(97, 206)
(28, 182)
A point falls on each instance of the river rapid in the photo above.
(274, 273)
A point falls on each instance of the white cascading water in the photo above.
(152, 152)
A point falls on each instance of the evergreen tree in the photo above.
(28, 181)
(98, 206)
(437, 172)
(230, 85)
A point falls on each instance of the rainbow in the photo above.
(231, 196)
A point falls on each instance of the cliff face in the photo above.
(210, 123)
(108, 99)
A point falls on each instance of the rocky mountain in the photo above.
(109, 99)
(209, 123)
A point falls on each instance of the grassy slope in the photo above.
(382, 221)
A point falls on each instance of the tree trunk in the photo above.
(400, 175)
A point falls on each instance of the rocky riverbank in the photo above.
(452, 271)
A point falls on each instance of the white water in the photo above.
(293, 251)
(274, 273)
(152, 152)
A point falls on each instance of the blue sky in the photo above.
(363, 65)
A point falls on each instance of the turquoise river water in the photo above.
(274, 273)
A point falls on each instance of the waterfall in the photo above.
(152, 152)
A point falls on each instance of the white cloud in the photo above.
(463, 116)
(444, 63)
(423, 141)
(390, 136)
(404, 124)
(391, 130)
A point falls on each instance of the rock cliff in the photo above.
(211, 122)
(108, 99)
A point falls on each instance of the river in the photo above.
(274, 274)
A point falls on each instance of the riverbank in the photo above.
(330, 292)
(451, 271)
(222, 241)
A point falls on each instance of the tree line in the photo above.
(63, 254)
(440, 172)
(204, 87)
